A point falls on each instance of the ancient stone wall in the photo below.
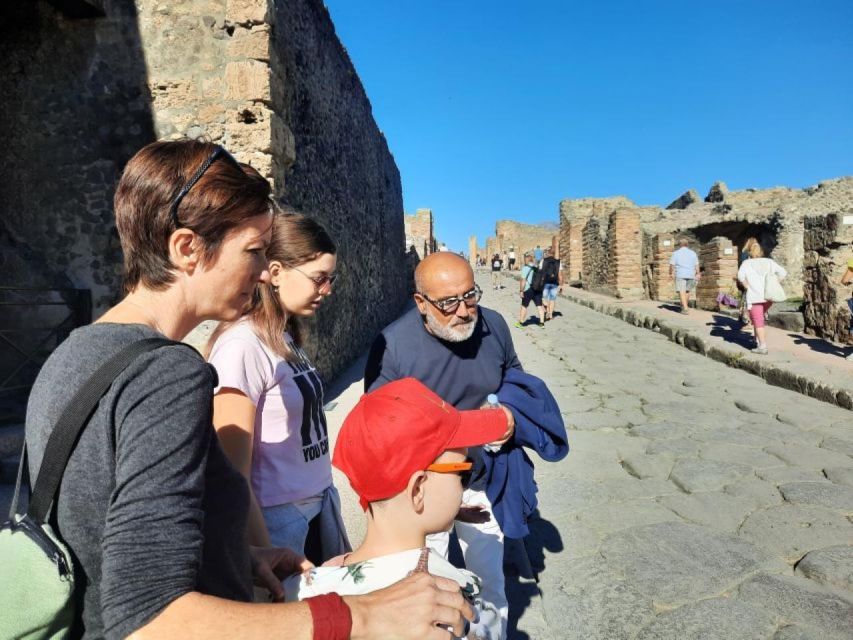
(473, 251)
(419, 231)
(623, 252)
(268, 80)
(661, 285)
(594, 268)
(718, 260)
(523, 238)
(828, 247)
(75, 107)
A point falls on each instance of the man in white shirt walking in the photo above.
(686, 265)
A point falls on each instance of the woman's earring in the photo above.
(275, 289)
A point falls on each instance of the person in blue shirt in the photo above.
(528, 294)
(685, 263)
(537, 255)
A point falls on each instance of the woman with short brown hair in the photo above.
(153, 513)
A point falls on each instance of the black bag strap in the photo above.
(61, 442)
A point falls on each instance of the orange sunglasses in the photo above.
(462, 468)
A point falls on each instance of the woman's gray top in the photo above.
(149, 505)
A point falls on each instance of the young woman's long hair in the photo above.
(296, 239)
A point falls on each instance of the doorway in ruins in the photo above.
(738, 232)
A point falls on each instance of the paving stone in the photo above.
(763, 494)
(840, 445)
(808, 456)
(727, 452)
(796, 632)
(775, 431)
(840, 475)
(591, 601)
(631, 488)
(676, 563)
(675, 446)
(619, 442)
(595, 420)
(785, 474)
(731, 435)
(614, 516)
(694, 475)
(573, 496)
(794, 530)
(714, 619)
(799, 600)
(832, 567)
(719, 511)
(586, 465)
(577, 404)
(806, 414)
(825, 494)
(641, 465)
(663, 430)
(578, 540)
(623, 402)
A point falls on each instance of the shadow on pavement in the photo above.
(729, 329)
(819, 344)
(524, 560)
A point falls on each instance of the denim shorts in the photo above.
(549, 293)
(684, 284)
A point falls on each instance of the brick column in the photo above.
(719, 259)
(624, 255)
(472, 251)
(662, 284)
(573, 258)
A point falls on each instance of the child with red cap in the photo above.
(403, 450)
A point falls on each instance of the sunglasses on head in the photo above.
(219, 152)
(463, 469)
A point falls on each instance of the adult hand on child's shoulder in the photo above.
(271, 565)
(410, 610)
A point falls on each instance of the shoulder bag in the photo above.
(36, 568)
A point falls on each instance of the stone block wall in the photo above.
(523, 238)
(594, 269)
(661, 284)
(420, 233)
(473, 251)
(828, 246)
(75, 107)
(268, 80)
(718, 260)
(623, 250)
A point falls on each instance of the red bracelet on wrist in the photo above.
(331, 617)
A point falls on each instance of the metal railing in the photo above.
(33, 321)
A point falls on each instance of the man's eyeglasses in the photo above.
(462, 468)
(219, 152)
(450, 305)
(321, 282)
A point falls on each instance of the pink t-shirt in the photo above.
(290, 451)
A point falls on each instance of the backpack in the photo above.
(551, 267)
(538, 281)
(36, 568)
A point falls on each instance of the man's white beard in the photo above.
(460, 333)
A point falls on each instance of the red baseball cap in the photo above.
(400, 428)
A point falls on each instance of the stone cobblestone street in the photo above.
(697, 501)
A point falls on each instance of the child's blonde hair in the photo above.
(755, 251)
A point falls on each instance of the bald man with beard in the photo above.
(461, 351)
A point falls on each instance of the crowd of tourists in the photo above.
(194, 481)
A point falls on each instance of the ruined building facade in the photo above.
(89, 82)
(807, 231)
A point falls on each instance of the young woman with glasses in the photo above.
(268, 406)
(153, 513)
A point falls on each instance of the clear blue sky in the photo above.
(500, 109)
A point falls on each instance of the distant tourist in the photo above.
(685, 263)
(511, 259)
(529, 293)
(847, 279)
(404, 502)
(537, 255)
(443, 247)
(753, 275)
(552, 272)
(497, 264)
(268, 405)
(463, 353)
(742, 257)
